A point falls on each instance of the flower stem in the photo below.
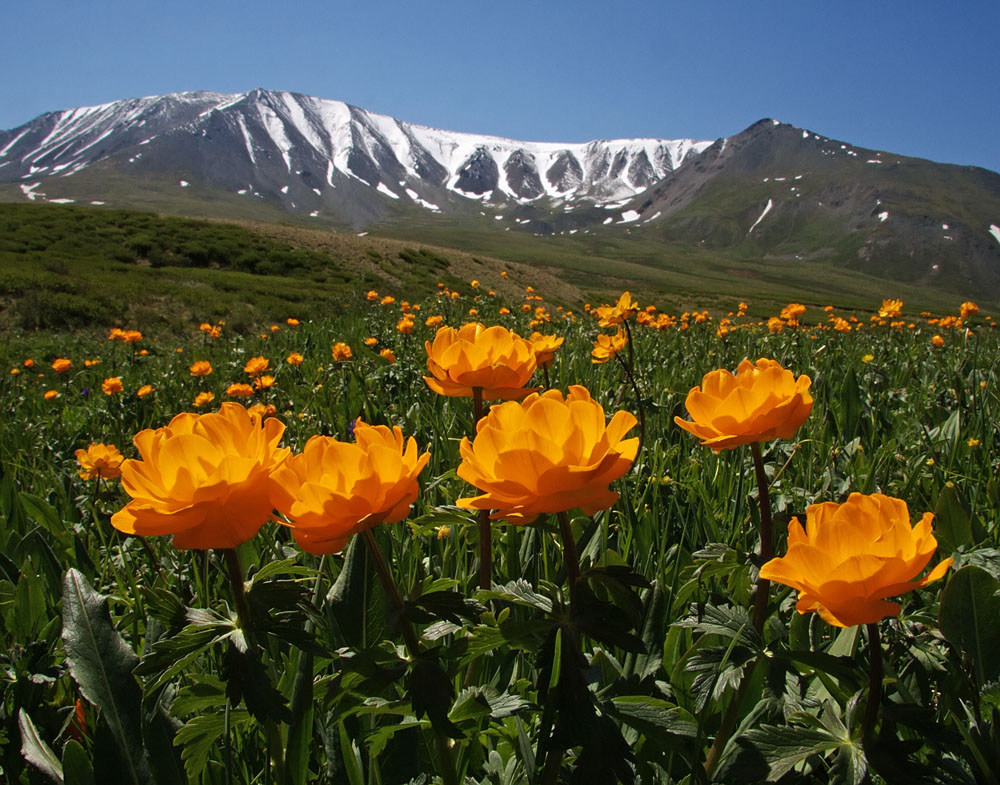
(630, 378)
(569, 553)
(874, 683)
(235, 571)
(760, 594)
(446, 756)
(485, 528)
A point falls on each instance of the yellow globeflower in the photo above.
(852, 556)
(294, 359)
(239, 390)
(201, 368)
(890, 309)
(256, 366)
(607, 346)
(546, 454)
(762, 401)
(61, 365)
(203, 399)
(495, 359)
(99, 460)
(610, 315)
(545, 348)
(336, 489)
(112, 385)
(208, 479)
(144, 391)
(340, 352)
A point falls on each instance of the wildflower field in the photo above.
(470, 540)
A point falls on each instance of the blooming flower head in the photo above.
(547, 454)
(90, 363)
(791, 313)
(132, 336)
(208, 479)
(607, 346)
(610, 315)
(762, 401)
(850, 557)
(967, 309)
(61, 365)
(388, 355)
(201, 368)
(112, 385)
(372, 295)
(495, 359)
(434, 320)
(387, 300)
(937, 341)
(203, 399)
(337, 489)
(341, 352)
(890, 309)
(405, 325)
(371, 341)
(264, 382)
(545, 348)
(99, 460)
(28, 363)
(256, 366)
(294, 358)
(239, 390)
(292, 322)
(144, 391)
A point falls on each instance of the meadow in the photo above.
(622, 638)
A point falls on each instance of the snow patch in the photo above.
(29, 191)
(383, 188)
(608, 220)
(62, 201)
(184, 183)
(314, 213)
(995, 231)
(629, 215)
(284, 189)
(317, 192)
(653, 218)
(98, 203)
(883, 216)
(767, 209)
(362, 234)
(945, 227)
(872, 161)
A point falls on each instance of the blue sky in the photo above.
(908, 76)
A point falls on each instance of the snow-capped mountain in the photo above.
(297, 149)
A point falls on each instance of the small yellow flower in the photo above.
(294, 359)
(868, 358)
(607, 346)
(145, 390)
(203, 399)
(973, 442)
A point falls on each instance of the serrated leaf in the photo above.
(518, 592)
(36, 751)
(784, 747)
(644, 712)
(200, 733)
(730, 622)
(101, 663)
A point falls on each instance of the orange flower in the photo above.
(341, 352)
(852, 556)
(208, 479)
(791, 313)
(545, 347)
(371, 341)
(762, 401)
(610, 315)
(967, 309)
(546, 454)
(203, 399)
(91, 363)
(50, 394)
(146, 389)
(112, 385)
(937, 341)
(132, 336)
(405, 325)
(116, 334)
(890, 309)
(201, 368)
(433, 321)
(387, 300)
(99, 460)
(264, 382)
(294, 359)
(239, 390)
(495, 359)
(256, 366)
(607, 346)
(337, 489)
(388, 355)
(372, 295)
(61, 365)
(292, 322)
(29, 363)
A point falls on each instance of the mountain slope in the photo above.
(773, 192)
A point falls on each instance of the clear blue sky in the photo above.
(916, 77)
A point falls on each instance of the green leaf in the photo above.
(970, 619)
(200, 734)
(952, 526)
(644, 713)
(77, 768)
(783, 747)
(356, 604)
(46, 515)
(169, 656)
(300, 730)
(727, 621)
(520, 593)
(36, 751)
(101, 663)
